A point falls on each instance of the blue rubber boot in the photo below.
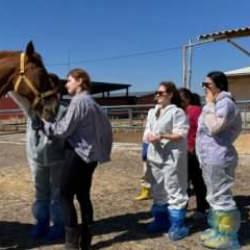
(177, 230)
(40, 212)
(56, 231)
(161, 221)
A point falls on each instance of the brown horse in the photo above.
(24, 74)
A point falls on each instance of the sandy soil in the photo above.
(120, 221)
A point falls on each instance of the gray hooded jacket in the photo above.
(218, 127)
(86, 128)
(39, 147)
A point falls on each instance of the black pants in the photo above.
(195, 177)
(76, 181)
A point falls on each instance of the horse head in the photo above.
(25, 74)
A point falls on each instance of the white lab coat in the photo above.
(166, 159)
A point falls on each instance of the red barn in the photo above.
(9, 109)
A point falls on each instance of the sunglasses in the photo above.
(205, 84)
(160, 93)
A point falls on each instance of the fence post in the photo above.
(130, 116)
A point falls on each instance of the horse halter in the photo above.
(22, 77)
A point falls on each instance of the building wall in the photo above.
(121, 100)
(240, 87)
(146, 99)
(6, 105)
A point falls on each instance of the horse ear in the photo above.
(30, 50)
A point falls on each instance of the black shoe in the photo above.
(86, 237)
(71, 238)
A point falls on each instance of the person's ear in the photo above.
(170, 95)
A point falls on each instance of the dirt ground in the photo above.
(120, 221)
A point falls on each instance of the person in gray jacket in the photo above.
(45, 157)
(218, 127)
(88, 133)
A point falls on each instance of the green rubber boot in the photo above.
(227, 235)
(212, 221)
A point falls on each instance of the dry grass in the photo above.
(243, 144)
(120, 221)
(133, 135)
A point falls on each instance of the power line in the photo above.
(111, 58)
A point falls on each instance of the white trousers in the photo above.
(169, 181)
(219, 181)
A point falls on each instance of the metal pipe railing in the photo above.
(133, 116)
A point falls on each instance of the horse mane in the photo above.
(6, 53)
(35, 58)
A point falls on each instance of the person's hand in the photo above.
(43, 120)
(36, 123)
(209, 96)
(153, 138)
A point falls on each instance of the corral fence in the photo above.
(244, 107)
(134, 116)
(12, 120)
(126, 117)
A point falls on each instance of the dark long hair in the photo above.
(219, 79)
(171, 89)
(194, 98)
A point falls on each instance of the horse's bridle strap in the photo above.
(42, 96)
(28, 82)
(22, 77)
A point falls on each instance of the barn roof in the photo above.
(226, 34)
(239, 72)
(102, 87)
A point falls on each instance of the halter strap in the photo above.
(22, 77)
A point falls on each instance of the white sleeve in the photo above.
(215, 121)
(180, 123)
(147, 129)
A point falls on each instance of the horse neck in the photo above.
(5, 84)
(7, 69)
(9, 54)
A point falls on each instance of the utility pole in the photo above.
(68, 61)
(187, 58)
(184, 65)
(190, 58)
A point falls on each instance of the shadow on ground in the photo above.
(243, 203)
(132, 229)
(129, 227)
(15, 235)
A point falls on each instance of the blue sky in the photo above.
(93, 34)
